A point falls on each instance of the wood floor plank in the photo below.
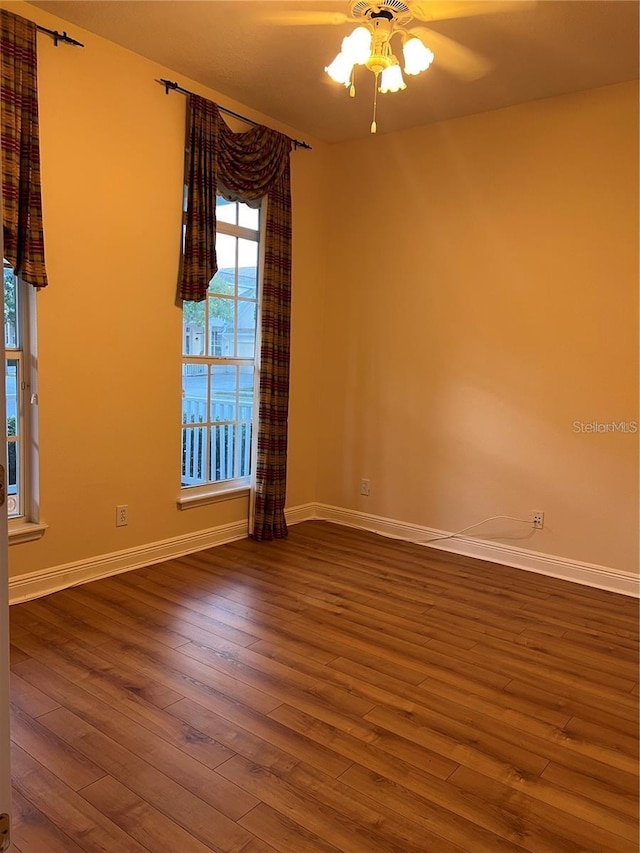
(561, 657)
(207, 590)
(98, 690)
(606, 740)
(615, 715)
(623, 649)
(174, 622)
(36, 831)
(387, 690)
(30, 699)
(372, 746)
(321, 806)
(181, 608)
(124, 620)
(47, 644)
(205, 822)
(141, 821)
(530, 667)
(52, 752)
(92, 831)
(623, 799)
(277, 680)
(472, 755)
(470, 835)
(55, 612)
(464, 744)
(595, 833)
(16, 655)
(139, 744)
(258, 737)
(283, 833)
(334, 692)
(160, 675)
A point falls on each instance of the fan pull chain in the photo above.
(374, 126)
(352, 90)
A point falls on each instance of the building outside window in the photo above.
(219, 360)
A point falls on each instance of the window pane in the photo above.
(11, 392)
(245, 394)
(224, 281)
(222, 452)
(249, 217)
(194, 393)
(10, 309)
(13, 479)
(244, 449)
(14, 474)
(193, 340)
(247, 268)
(224, 381)
(246, 329)
(194, 456)
(221, 322)
(226, 211)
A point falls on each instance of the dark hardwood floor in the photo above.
(333, 692)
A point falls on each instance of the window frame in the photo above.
(217, 490)
(26, 524)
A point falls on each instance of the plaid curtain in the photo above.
(247, 166)
(21, 202)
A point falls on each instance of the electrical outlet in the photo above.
(365, 487)
(537, 519)
(122, 515)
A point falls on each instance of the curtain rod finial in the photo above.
(168, 85)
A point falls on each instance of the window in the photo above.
(18, 305)
(219, 360)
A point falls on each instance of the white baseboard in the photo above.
(44, 582)
(303, 512)
(587, 574)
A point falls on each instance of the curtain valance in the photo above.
(246, 166)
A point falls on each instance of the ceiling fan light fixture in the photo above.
(372, 44)
(391, 79)
(417, 57)
(377, 62)
(340, 69)
(357, 46)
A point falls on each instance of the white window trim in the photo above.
(25, 531)
(208, 495)
(190, 497)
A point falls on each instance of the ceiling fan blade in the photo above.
(305, 19)
(433, 10)
(452, 56)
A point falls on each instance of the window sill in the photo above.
(25, 531)
(186, 501)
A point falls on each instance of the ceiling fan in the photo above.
(378, 23)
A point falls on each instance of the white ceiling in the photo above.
(243, 49)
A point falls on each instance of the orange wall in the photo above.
(483, 296)
(109, 330)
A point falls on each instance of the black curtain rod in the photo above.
(56, 36)
(171, 86)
